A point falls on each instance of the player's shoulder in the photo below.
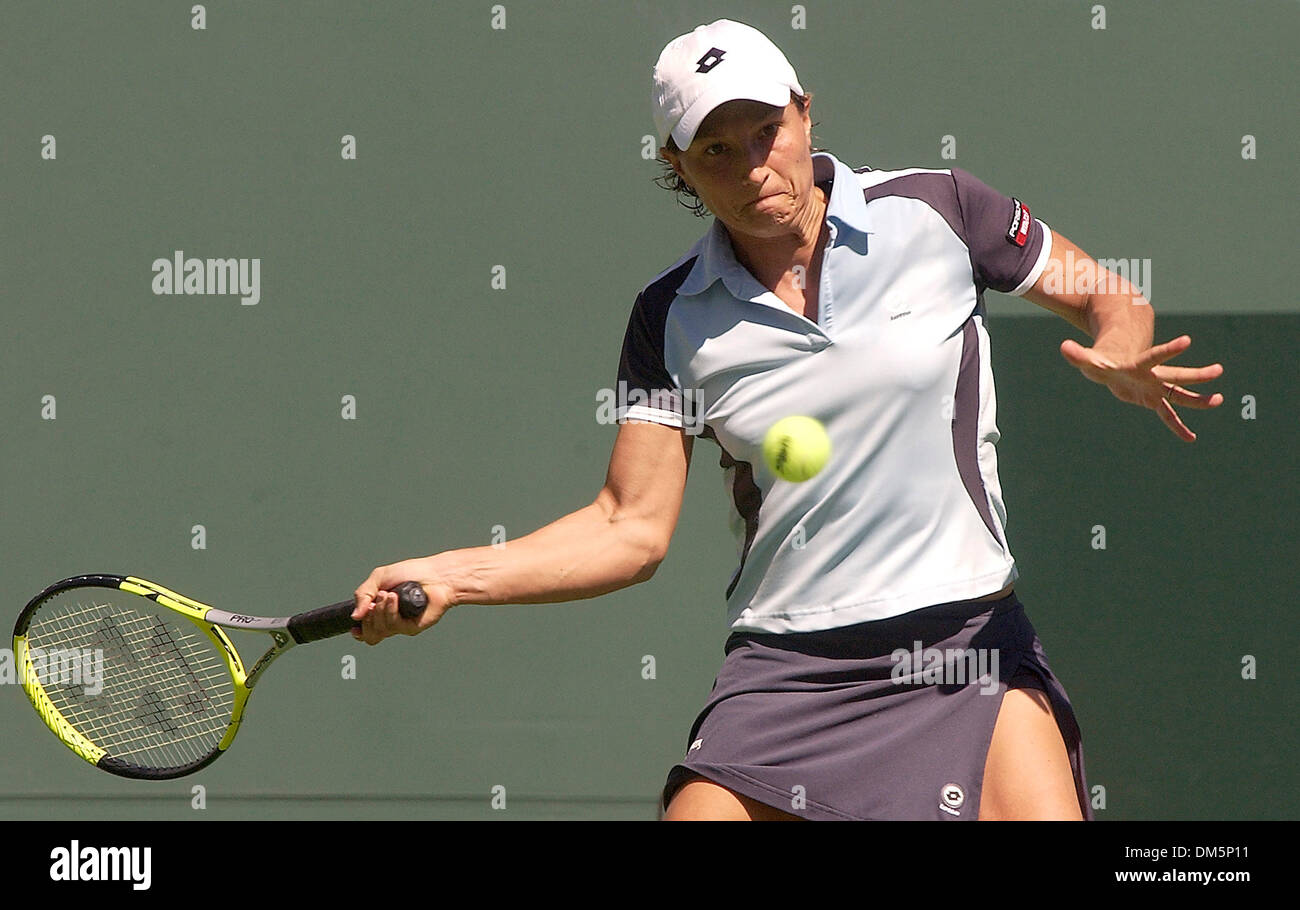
(901, 179)
(663, 286)
(948, 191)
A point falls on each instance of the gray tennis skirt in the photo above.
(883, 720)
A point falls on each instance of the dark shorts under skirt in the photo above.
(839, 725)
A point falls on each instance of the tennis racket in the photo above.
(141, 681)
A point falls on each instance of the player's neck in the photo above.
(770, 258)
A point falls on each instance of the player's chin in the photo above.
(767, 223)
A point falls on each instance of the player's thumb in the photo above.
(1074, 353)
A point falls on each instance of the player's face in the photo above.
(751, 165)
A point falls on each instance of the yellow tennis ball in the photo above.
(796, 448)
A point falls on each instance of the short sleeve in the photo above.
(645, 390)
(1009, 248)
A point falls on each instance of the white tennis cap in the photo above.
(719, 62)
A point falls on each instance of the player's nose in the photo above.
(757, 153)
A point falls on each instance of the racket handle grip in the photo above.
(336, 619)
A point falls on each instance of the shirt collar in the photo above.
(847, 204)
(716, 260)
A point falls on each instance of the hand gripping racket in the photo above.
(141, 681)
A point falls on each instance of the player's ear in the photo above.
(674, 158)
(806, 116)
(671, 156)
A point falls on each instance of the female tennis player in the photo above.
(879, 664)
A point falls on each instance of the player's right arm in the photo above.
(616, 541)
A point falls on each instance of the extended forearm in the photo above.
(586, 553)
(1120, 319)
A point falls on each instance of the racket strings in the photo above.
(146, 678)
(166, 689)
(163, 695)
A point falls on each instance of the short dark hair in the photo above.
(669, 179)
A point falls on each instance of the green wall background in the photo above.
(522, 147)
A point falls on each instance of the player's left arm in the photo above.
(1121, 322)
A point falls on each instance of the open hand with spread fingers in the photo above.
(1145, 380)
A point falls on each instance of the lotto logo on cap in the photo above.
(719, 62)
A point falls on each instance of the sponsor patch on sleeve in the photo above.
(1018, 233)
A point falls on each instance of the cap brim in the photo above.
(776, 94)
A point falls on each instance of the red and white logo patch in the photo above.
(1018, 233)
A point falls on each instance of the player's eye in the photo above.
(715, 149)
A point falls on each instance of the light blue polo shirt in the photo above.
(908, 512)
